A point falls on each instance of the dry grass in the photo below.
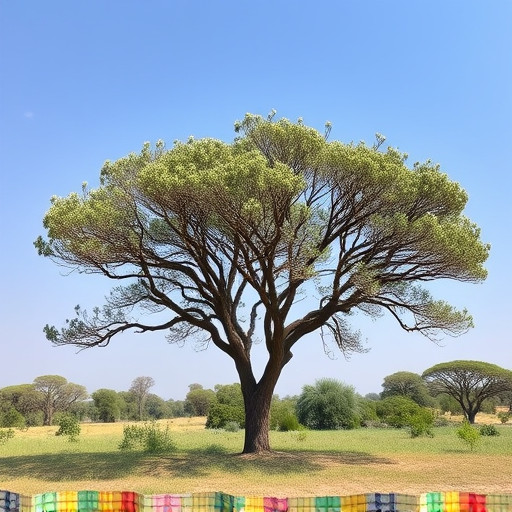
(319, 463)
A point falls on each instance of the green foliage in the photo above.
(229, 394)
(199, 401)
(504, 416)
(6, 434)
(328, 405)
(366, 411)
(232, 426)
(489, 430)
(468, 434)
(396, 411)
(282, 415)
(108, 403)
(421, 423)
(12, 418)
(407, 384)
(221, 414)
(68, 426)
(149, 437)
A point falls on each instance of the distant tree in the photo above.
(25, 399)
(198, 401)
(129, 409)
(372, 396)
(140, 389)
(469, 383)
(108, 404)
(177, 408)
(407, 384)
(328, 405)
(157, 408)
(229, 394)
(57, 395)
(225, 240)
(227, 406)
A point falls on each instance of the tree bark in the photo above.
(257, 401)
(257, 423)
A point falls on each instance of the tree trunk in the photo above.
(471, 416)
(257, 400)
(257, 423)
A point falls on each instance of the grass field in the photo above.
(305, 464)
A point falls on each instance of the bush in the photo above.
(68, 426)
(6, 434)
(468, 434)
(12, 418)
(220, 414)
(420, 423)
(397, 411)
(328, 405)
(282, 415)
(503, 417)
(232, 426)
(148, 437)
(489, 430)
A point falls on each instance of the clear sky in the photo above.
(82, 82)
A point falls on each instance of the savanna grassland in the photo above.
(304, 463)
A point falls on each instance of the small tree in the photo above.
(328, 405)
(468, 434)
(469, 383)
(68, 426)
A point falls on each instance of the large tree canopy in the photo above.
(469, 382)
(220, 236)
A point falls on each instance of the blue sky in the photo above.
(82, 82)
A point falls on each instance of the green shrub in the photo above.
(6, 434)
(503, 417)
(220, 414)
(421, 422)
(468, 434)
(282, 415)
(232, 426)
(12, 418)
(397, 411)
(489, 430)
(149, 437)
(328, 405)
(68, 426)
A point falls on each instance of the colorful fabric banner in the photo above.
(127, 501)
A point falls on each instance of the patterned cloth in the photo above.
(126, 501)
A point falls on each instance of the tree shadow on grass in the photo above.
(192, 463)
(71, 466)
(214, 458)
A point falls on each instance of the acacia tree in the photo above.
(226, 238)
(57, 395)
(469, 383)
